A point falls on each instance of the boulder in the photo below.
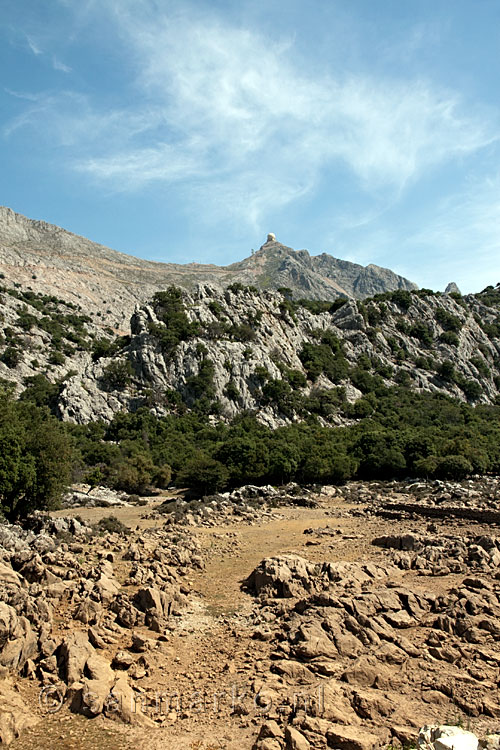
(283, 576)
(444, 737)
(7, 575)
(14, 714)
(351, 738)
(295, 740)
(18, 642)
(74, 653)
(126, 705)
(91, 698)
(153, 601)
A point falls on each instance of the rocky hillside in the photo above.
(224, 352)
(320, 277)
(52, 261)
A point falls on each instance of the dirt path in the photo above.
(211, 653)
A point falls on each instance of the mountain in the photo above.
(236, 350)
(96, 332)
(50, 260)
(320, 277)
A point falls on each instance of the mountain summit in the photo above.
(323, 277)
(51, 260)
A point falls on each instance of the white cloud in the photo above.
(68, 119)
(240, 114)
(34, 47)
(58, 65)
(232, 100)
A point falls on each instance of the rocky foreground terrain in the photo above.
(335, 617)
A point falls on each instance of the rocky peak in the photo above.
(107, 284)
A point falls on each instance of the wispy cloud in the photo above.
(462, 241)
(238, 117)
(66, 118)
(59, 65)
(34, 47)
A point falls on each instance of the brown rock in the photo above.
(270, 729)
(350, 738)
(126, 705)
(75, 651)
(7, 575)
(14, 714)
(295, 740)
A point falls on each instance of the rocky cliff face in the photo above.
(52, 261)
(240, 349)
(319, 277)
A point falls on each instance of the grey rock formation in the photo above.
(108, 284)
(248, 339)
(452, 288)
(314, 277)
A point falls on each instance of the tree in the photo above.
(454, 467)
(203, 474)
(135, 474)
(35, 457)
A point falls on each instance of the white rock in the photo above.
(446, 738)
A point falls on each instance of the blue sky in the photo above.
(185, 131)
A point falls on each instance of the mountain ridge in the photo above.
(52, 260)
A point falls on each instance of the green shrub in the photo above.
(471, 389)
(231, 391)
(326, 357)
(35, 457)
(216, 308)
(423, 332)
(175, 325)
(447, 320)
(453, 467)
(480, 366)
(117, 374)
(111, 525)
(11, 357)
(203, 383)
(56, 358)
(402, 298)
(450, 338)
(203, 474)
(103, 348)
(262, 373)
(25, 320)
(446, 370)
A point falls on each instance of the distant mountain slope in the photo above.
(319, 277)
(229, 352)
(51, 260)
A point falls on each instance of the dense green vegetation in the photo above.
(175, 325)
(391, 432)
(35, 456)
(399, 433)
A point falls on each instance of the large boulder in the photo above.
(14, 714)
(74, 653)
(18, 642)
(444, 737)
(283, 576)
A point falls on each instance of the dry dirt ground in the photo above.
(211, 652)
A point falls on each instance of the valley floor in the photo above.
(225, 643)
